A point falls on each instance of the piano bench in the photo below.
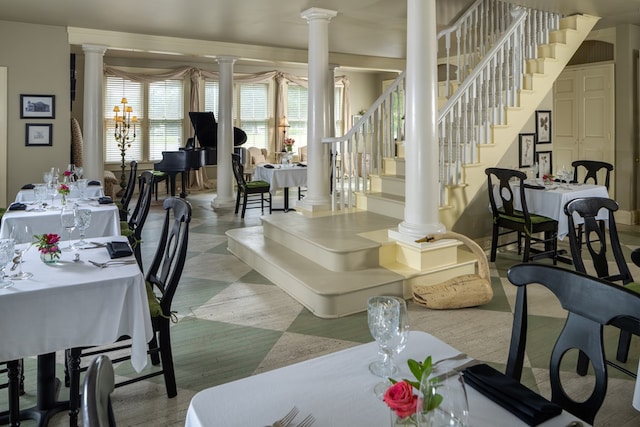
(159, 176)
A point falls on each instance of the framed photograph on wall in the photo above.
(543, 127)
(526, 149)
(545, 163)
(37, 106)
(38, 135)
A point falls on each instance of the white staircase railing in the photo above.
(492, 41)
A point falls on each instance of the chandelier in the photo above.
(123, 134)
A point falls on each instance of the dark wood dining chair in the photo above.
(591, 170)
(523, 223)
(249, 192)
(596, 244)
(123, 203)
(162, 281)
(581, 296)
(96, 394)
(132, 228)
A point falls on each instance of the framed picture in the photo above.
(543, 127)
(37, 106)
(545, 163)
(526, 149)
(38, 135)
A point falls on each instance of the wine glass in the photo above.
(443, 401)
(48, 177)
(389, 326)
(52, 189)
(79, 171)
(23, 238)
(82, 220)
(81, 184)
(7, 246)
(40, 193)
(68, 220)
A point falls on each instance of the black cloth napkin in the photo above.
(28, 187)
(17, 206)
(268, 166)
(119, 249)
(302, 165)
(105, 200)
(94, 182)
(522, 402)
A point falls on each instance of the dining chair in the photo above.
(123, 203)
(14, 371)
(581, 296)
(521, 222)
(132, 228)
(96, 394)
(596, 247)
(162, 281)
(250, 189)
(592, 169)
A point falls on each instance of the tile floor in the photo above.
(233, 323)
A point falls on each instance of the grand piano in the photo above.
(191, 157)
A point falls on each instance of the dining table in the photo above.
(72, 304)
(281, 176)
(105, 219)
(337, 389)
(93, 192)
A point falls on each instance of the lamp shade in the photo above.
(284, 123)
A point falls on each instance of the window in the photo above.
(250, 104)
(159, 107)
(297, 107)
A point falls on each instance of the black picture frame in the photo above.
(38, 135)
(543, 127)
(37, 106)
(526, 149)
(545, 163)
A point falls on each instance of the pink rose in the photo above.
(400, 398)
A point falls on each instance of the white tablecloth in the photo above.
(550, 202)
(74, 304)
(337, 389)
(92, 191)
(281, 177)
(105, 221)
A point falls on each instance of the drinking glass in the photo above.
(40, 193)
(81, 184)
(68, 220)
(48, 177)
(7, 247)
(79, 171)
(389, 326)
(52, 189)
(23, 238)
(82, 220)
(449, 396)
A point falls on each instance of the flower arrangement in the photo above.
(547, 178)
(68, 173)
(48, 244)
(64, 189)
(288, 143)
(400, 398)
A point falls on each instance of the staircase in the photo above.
(331, 263)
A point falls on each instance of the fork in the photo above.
(287, 419)
(113, 262)
(307, 421)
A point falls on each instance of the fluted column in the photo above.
(93, 112)
(318, 185)
(421, 149)
(225, 196)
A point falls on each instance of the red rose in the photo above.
(400, 398)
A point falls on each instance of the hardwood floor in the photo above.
(232, 323)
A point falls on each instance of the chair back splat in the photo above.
(128, 192)
(592, 167)
(139, 215)
(582, 297)
(98, 386)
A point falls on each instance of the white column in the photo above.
(318, 185)
(225, 195)
(93, 112)
(421, 149)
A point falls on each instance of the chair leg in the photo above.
(13, 374)
(238, 200)
(527, 247)
(583, 364)
(167, 358)
(623, 346)
(73, 363)
(153, 346)
(494, 243)
(244, 204)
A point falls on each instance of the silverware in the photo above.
(113, 263)
(307, 421)
(99, 244)
(16, 262)
(287, 419)
(459, 356)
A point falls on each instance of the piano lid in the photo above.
(206, 129)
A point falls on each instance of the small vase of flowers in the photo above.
(288, 144)
(64, 191)
(47, 245)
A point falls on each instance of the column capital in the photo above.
(316, 14)
(226, 59)
(94, 48)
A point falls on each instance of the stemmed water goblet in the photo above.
(81, 184)
(82, 220)
(389, 326)
(7, 247)
(79, 171)
(40, 193)
(443, 401)
(23, 238)
(68, 220)
(52, 189)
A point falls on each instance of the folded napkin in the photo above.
(28, 187)
(268, 166)
(302, 165)
(119, 249)
(522, 402)
(94, 182)
(105, 200)
(17, 206)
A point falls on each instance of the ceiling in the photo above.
(362, 27)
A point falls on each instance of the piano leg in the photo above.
(183, 193)
(172, 183)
